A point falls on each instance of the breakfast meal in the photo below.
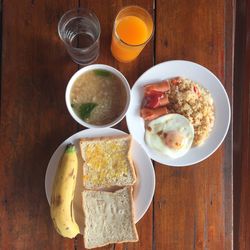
(107, 162)
(167, 106)
(98, 97)
(178, 114)
(99, 190)
(108, 215)
(61, 205)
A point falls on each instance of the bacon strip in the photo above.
(153, 101)
(150, 114)
(162, 86)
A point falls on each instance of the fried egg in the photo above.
(171, 135)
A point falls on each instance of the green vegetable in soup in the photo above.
(85, 109)
(101, 72)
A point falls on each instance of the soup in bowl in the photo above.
(98, 96)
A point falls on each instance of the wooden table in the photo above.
(192, 206)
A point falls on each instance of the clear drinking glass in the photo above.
(79, 29)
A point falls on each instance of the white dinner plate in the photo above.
(198, 74)
(145, 184)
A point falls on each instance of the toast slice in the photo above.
(108, 217)
(107, 162)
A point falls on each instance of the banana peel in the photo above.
(61, 208)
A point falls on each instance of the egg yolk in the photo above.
(173, 140)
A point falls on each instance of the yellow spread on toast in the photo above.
(106, 161)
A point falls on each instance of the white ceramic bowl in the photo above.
(93, 67)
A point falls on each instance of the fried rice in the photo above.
(195, 103)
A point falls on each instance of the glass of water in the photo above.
(80, 30)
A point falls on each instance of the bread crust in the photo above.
(105, 137)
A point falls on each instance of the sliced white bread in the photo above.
(107, 162)
(108, 217)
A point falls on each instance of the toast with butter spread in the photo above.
(107, 162)
(108, 217)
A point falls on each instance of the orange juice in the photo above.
(132, 30)
(130, 34)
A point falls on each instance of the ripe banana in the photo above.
(61, 208)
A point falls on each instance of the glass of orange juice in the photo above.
(133, 28)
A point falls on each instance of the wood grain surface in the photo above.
(192, 207)
(34, 120)
(242, 127)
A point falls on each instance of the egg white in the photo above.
(165, 124)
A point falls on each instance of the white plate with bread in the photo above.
(140, 177)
